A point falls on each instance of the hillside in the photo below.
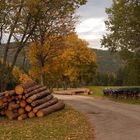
(106, 62)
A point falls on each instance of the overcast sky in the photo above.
(91, 26)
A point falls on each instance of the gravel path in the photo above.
(111, 120)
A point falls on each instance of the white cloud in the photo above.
(91, 29)
(92, 16)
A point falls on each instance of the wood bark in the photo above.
(45, 105)
(38, 96)
(59, 105)
(35, 91)
(32, 89)
(41, 101)
(20, 88)
(9, 93)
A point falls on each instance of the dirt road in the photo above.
(111, 120)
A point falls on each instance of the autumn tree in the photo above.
(67, 61)
(123, 35)
(77, 62)
(41, 56)
(24, 21)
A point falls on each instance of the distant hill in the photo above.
(106, 62)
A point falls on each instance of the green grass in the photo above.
(98, 92)
(67, 124)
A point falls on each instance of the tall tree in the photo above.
(123, 35)
(26, 20)
(41, 56)
(68, 60)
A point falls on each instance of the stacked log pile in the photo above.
(131, 93)
(27, 101)
(74, 91)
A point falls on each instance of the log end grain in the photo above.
(19, 89)
(28, 108)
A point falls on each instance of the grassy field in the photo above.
(98, 92)
(67, 124)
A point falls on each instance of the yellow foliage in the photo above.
(24, 78)
(16, 72)
(20, 75)
(67, 62)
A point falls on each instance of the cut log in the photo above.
(41, 101)
(3, 106)
(32, 88)
(28, 108)
(31, 114)
(9, 93)
(4, 99)
(45, 105)
(20, 96)
(23, 97)
(23, 103)
(2, 112)
(58, 106)
(15, 106)
(21, 111)
(3, 93)
(38, 96)
(1, 103)
(10, 105)
(15, 111)
(22, 117)
(1, 97)
(13, 116)
(20, 88)
(9, 113)
(35, 91)
(9, 100)
(18, 102)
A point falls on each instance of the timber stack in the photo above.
(27, 101)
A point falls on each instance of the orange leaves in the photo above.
(20, 75)
(66, 59)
